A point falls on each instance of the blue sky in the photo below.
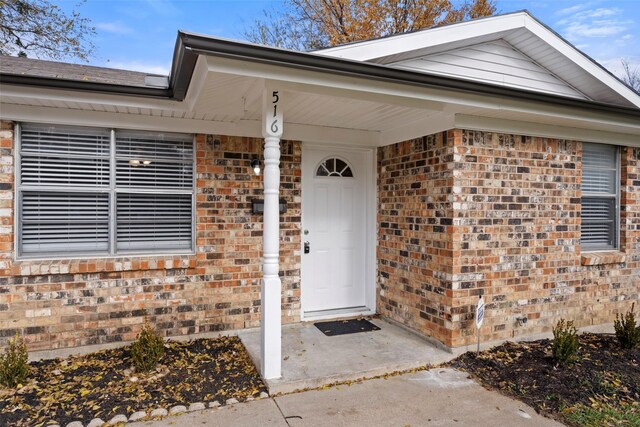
(140, 34)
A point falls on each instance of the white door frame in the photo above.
(370, 205)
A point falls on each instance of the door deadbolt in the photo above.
(307, 247)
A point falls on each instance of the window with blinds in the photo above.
(600, 189)
(98, 191)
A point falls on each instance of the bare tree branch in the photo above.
(312, 24)
(41, 29)
(631, 76)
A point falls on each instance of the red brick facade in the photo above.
(461, 213)
(65, 303)
(506, 208)
(415, 239)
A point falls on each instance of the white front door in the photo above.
(334, 224)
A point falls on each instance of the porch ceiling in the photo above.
(239, 99)
(228, 104)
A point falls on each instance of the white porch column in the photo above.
(271, 287)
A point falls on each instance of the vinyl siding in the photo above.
(495, 62)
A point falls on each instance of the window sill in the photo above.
(120, 257)
(123, 263)
(603, 258)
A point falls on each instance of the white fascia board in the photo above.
(578, 58)
(379, 48)
(246, 128)
(198, 80)
(65, 95)
(492, 124)
(434, 98)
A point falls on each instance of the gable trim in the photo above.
(584, 61)
(496, 26)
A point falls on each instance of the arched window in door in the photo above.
(334, 166)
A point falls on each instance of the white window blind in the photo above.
(79, 196)
(56, 222)
(600, 189)
(59, 155)
(154, 160)
(157, 221)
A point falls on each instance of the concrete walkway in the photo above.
(311, 359)
(438, 397)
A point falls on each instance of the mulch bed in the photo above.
(604, 374)
(102, 385)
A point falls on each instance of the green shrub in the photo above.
(565, 342)
(14, 363)
(627, 331)
(147, 350)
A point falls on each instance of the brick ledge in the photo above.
(63, 266)
(602, 258)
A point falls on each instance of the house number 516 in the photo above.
(274, 124)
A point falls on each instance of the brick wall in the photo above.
(415, 235)
(520, 237)
(518, 210)
(64, 303)
(514, 207)
(461, 214)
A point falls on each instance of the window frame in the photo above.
(113, 192)
(329, 175)
(616, 196)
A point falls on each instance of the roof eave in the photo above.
(48, 82)
(191, 45)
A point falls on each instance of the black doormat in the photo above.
(343, 327)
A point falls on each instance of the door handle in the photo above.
(307, 247)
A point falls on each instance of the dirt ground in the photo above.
(604, 374)
(102, 384)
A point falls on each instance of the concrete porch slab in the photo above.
(310, 359)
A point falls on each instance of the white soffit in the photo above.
(520, 30)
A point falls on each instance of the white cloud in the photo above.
(145, 67)
(570, 10)
(580, 23)
(114, 27)
(601, 28)
(598, 13)
(605, 31)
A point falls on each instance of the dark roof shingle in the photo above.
(77, 72)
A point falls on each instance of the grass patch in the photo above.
(598, 415)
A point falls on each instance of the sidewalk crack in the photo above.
(285, 418)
